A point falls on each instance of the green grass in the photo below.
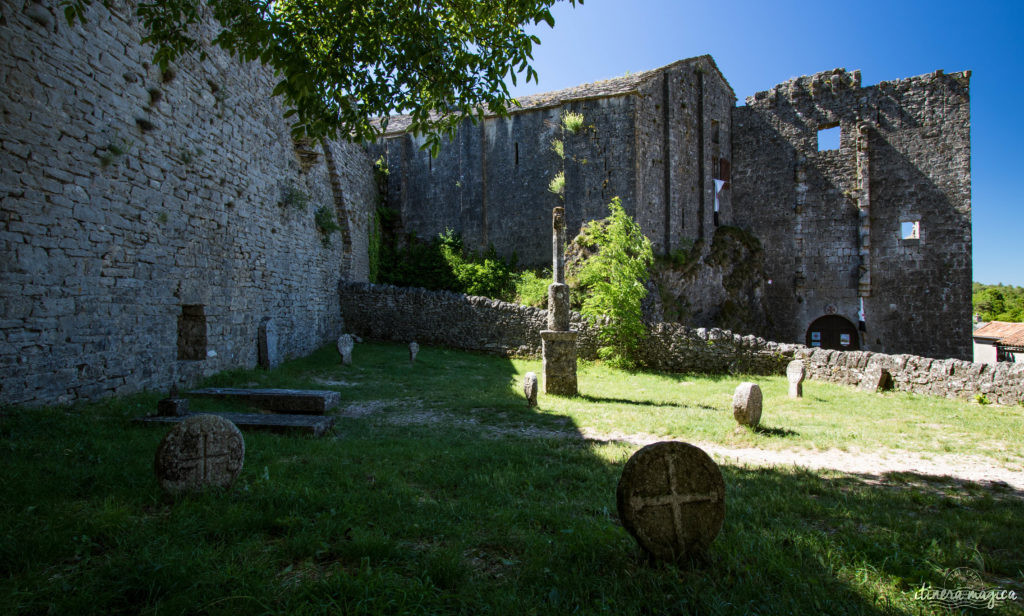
(432, 504)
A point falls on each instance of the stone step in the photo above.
(302, 401)
(315, 425)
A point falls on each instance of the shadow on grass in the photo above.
(434, 518)
(769, 431)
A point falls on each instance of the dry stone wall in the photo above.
(1001, 383)
(386, 312)
(401, 314)
(151, 219)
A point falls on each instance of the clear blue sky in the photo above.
(758, 44)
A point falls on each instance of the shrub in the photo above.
(613, 282)
(557, 184)
(532, 288)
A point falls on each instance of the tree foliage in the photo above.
(998, 302)
(342, 63)
(613, 283)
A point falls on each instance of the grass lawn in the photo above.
(440, 492)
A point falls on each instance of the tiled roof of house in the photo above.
(609, 87)
(1004, 334)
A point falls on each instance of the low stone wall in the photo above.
(951, 378)
(386, 312)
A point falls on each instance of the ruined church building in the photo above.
(878, 227)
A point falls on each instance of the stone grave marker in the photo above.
(172, 405)
(876, 378)
(530, 388)
(345, 345)
(795, 373)
(671, 499)
(414, 349)
(200, 452)
(268, 356)
(746, 404)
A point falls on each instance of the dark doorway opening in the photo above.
(833, 332)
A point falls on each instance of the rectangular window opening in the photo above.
(517, 153)
(828, 138)
(715, 131)
(192, 332)
(910, 230)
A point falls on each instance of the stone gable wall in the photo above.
(131, 196)
(830, 221)
(385, 312)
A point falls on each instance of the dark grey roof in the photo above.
(627, 84)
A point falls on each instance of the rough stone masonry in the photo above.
(152, 219)
(878, 227)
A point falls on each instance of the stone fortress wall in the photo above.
(687, 163)
(151, 220)
(645, 138)
(386, 312)
(832, 221)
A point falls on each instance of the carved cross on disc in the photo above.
(671, 498)
(202, 451)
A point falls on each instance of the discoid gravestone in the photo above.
(746, 404)
(671, 499)
(530, 388)
(414, 349)
(345, 344)
(200, 452)
(795, 374)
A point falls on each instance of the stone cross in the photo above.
(202, 451)
(671, 498)
(746, 404)
(345, 345)
(795, 373)
(530, 388)
(558, 244)
(413, 350)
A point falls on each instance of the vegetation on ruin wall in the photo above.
(438, 62)
(432, 497)
(998, 302)
(444, 263)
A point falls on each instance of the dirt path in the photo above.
(977, 469)
(873, 464)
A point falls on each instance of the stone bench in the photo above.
(303, 401)
(315, 425)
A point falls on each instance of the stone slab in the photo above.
(316, 425)
(268, 356)
(202, 451)
(302, 401)
(671, 499)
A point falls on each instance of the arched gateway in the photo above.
(833, 332)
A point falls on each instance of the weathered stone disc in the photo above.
(202, 451)
(671, 498)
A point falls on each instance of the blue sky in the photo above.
(759, 44)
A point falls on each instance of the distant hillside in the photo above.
(997, 302)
